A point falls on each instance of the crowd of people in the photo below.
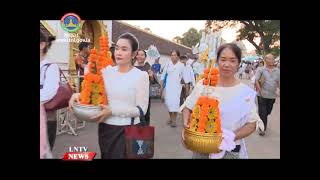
(128, 84)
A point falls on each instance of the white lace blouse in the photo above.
(237, 105)
(125, 91)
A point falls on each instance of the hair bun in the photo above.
(51, 38)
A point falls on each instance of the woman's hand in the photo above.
(245, 131)
(162, 94)
(105, 113)
(258, 88)
(185, 121)
(278, 92)
(185, 118)
(182, 138)
(150, 73)
(74, 97)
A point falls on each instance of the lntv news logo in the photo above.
(77, 153)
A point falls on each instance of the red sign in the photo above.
(79, 156)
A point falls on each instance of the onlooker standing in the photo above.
(171, 83)
(267, 82)
(189, 83)
(145, 66)
(81, 60)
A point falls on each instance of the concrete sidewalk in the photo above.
(168, 140)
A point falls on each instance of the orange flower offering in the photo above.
(204, 134)
(92, 91)
(211, 76)
(205, 117)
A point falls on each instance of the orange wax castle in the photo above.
(205, 116)
(92, 91)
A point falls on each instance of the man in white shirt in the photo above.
(188, 83)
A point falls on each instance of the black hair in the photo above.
(145, 53)
(112, 48)
(234, 48)
(177, 52)
(83, 45)
(183, 57)
(195, 57)
(47, 39)
(132, 39)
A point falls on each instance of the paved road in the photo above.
(167, 139)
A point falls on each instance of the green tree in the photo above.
(275, 51)
(267, 30)
(189, 38)
(177, 39)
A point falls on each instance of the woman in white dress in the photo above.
(49, 84)
(171, 85)
(238, 112)
(126, 88)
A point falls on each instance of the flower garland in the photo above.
(204, 57)
(93, 91)
(205, 116)
(211, 78)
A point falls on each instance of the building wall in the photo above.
(108, 25)
(146, 39)
(59, 51)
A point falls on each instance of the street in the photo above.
(168, 140)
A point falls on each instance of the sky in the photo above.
(168, 29)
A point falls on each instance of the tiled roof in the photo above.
(45, 30)
(146, 39)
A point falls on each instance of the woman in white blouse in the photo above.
(238, 111)
(49, 84)
(172, 75)
(126, 87)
